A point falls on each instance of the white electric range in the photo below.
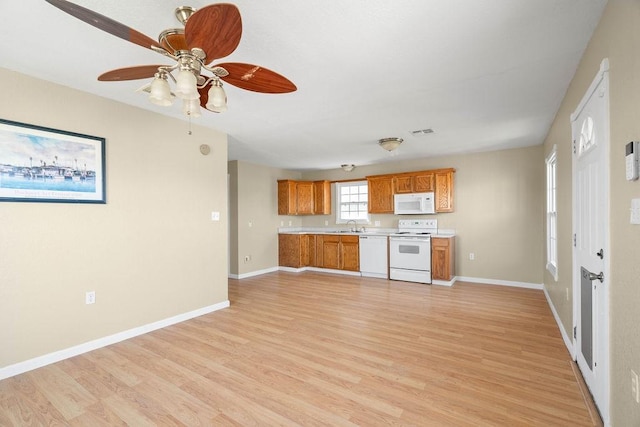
(410, 250)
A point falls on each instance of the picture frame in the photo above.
(40, 164)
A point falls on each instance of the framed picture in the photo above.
(39, 164)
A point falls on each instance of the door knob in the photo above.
(593, 276)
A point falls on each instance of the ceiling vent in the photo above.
(421, 132)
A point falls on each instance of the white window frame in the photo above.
(365, 218)
(552, 214)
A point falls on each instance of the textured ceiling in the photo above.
(484, 75)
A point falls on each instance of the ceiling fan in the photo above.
(208, 34)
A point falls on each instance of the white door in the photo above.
(590, 129)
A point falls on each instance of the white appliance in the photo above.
(410, 250)
(373, 256)
(414, 204)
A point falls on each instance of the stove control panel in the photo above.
(405, 224)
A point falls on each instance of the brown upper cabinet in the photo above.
(380, 194)
(420, 182)
(322, 197)
(383, 187)
(304, 197)
(444, 191)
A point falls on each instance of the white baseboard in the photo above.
(319, 270)
(253, 273)
(567, 340)
(330, 270)
(47, 359)
(444, 282)
(527, 285)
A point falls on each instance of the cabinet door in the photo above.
(441, 258)
(304, 250)
(380, 194)
(322, 197)
(403, 184)
(289, 250)
(350, 253)
(286, 197)
(319, 243)
(423, 183)
(444, 191)
(331, 252)
(304, 197)
(311, 248)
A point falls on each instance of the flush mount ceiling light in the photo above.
(348, 167)
(208, 34)
(390, 144)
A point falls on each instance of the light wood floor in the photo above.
(320, 349)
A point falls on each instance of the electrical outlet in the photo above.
(377, 223)
(326, 223)
(635, 387)
(90, 297)
(472, 256)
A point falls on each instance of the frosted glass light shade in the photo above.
(390, 144)
(191, 107)
(217, 101)
(186, 85)
(160, 92)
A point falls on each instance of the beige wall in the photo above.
(618, 39)
(254, 196)
(150, 253)
(499, 204)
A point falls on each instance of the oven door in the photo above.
(411, 253)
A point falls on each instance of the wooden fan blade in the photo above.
(130, 73)
(216, 29)
(256, 78)
(105, 24)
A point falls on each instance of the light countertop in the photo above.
(443, 233)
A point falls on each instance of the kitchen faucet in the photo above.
(355, 224)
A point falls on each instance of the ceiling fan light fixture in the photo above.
(390, 144)
(186, 85)
(212, 32)
(160, 93)
(217, 98)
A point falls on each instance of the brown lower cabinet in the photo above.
(341, 252)
(319, 250)
(293, 250)
(442, 259)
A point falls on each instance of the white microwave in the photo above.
(414, 204)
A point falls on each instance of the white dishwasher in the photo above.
(373, 256)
